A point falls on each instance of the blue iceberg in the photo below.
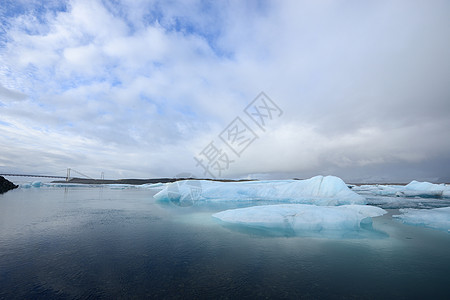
(319, 190)
(298, 218)
(438, 218)
(412, 189)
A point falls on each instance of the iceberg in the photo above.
(151, 186)
(438, 218)
(412, 189)
(36, 184)
(425, 186)
(379, 190)
(302, 217)
(406, 202)
(318, 190)
(425, 190)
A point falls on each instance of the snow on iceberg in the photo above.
(438, 218)
(302, 217)
(318, 190)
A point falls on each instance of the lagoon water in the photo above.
(88, 242)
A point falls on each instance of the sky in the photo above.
(231, 89)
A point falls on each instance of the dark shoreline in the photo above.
(6, 185)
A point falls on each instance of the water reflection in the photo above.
(192, 207)
(87, 242)
(365, 232)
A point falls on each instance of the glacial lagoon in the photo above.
(80, 241)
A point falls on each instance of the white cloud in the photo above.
(139, 87)
(10, 95)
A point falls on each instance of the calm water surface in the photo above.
(100, 242)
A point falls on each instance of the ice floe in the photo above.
(302, 217)
(438, 218)
(413, 189)
(39, 184)
(425, 189)
(395, 202)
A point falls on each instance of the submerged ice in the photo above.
(438, 218)
(302, 217)
(318, 190)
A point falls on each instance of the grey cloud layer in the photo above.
(138, 88)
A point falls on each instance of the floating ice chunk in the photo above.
(424, 190)
(421, 194)
(319, 190)
(302, 217)
(407, 202)
(36, 184)
(25, 185)
(413, 189)
(150, 186)
(67, 185)
(438, 218)
(425, 186)
(120, 186)
(381, 190)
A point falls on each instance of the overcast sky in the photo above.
(357, 89)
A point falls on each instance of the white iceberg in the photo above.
(152, 186)
(438, 218)
(302, 217)
(378, 190)
(319, 190)
(37, 184)
(34, 184)
(413, 189)
(407, 202)
(425, 189)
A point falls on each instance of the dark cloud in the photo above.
(9, 95)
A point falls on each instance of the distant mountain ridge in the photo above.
(138, 181)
